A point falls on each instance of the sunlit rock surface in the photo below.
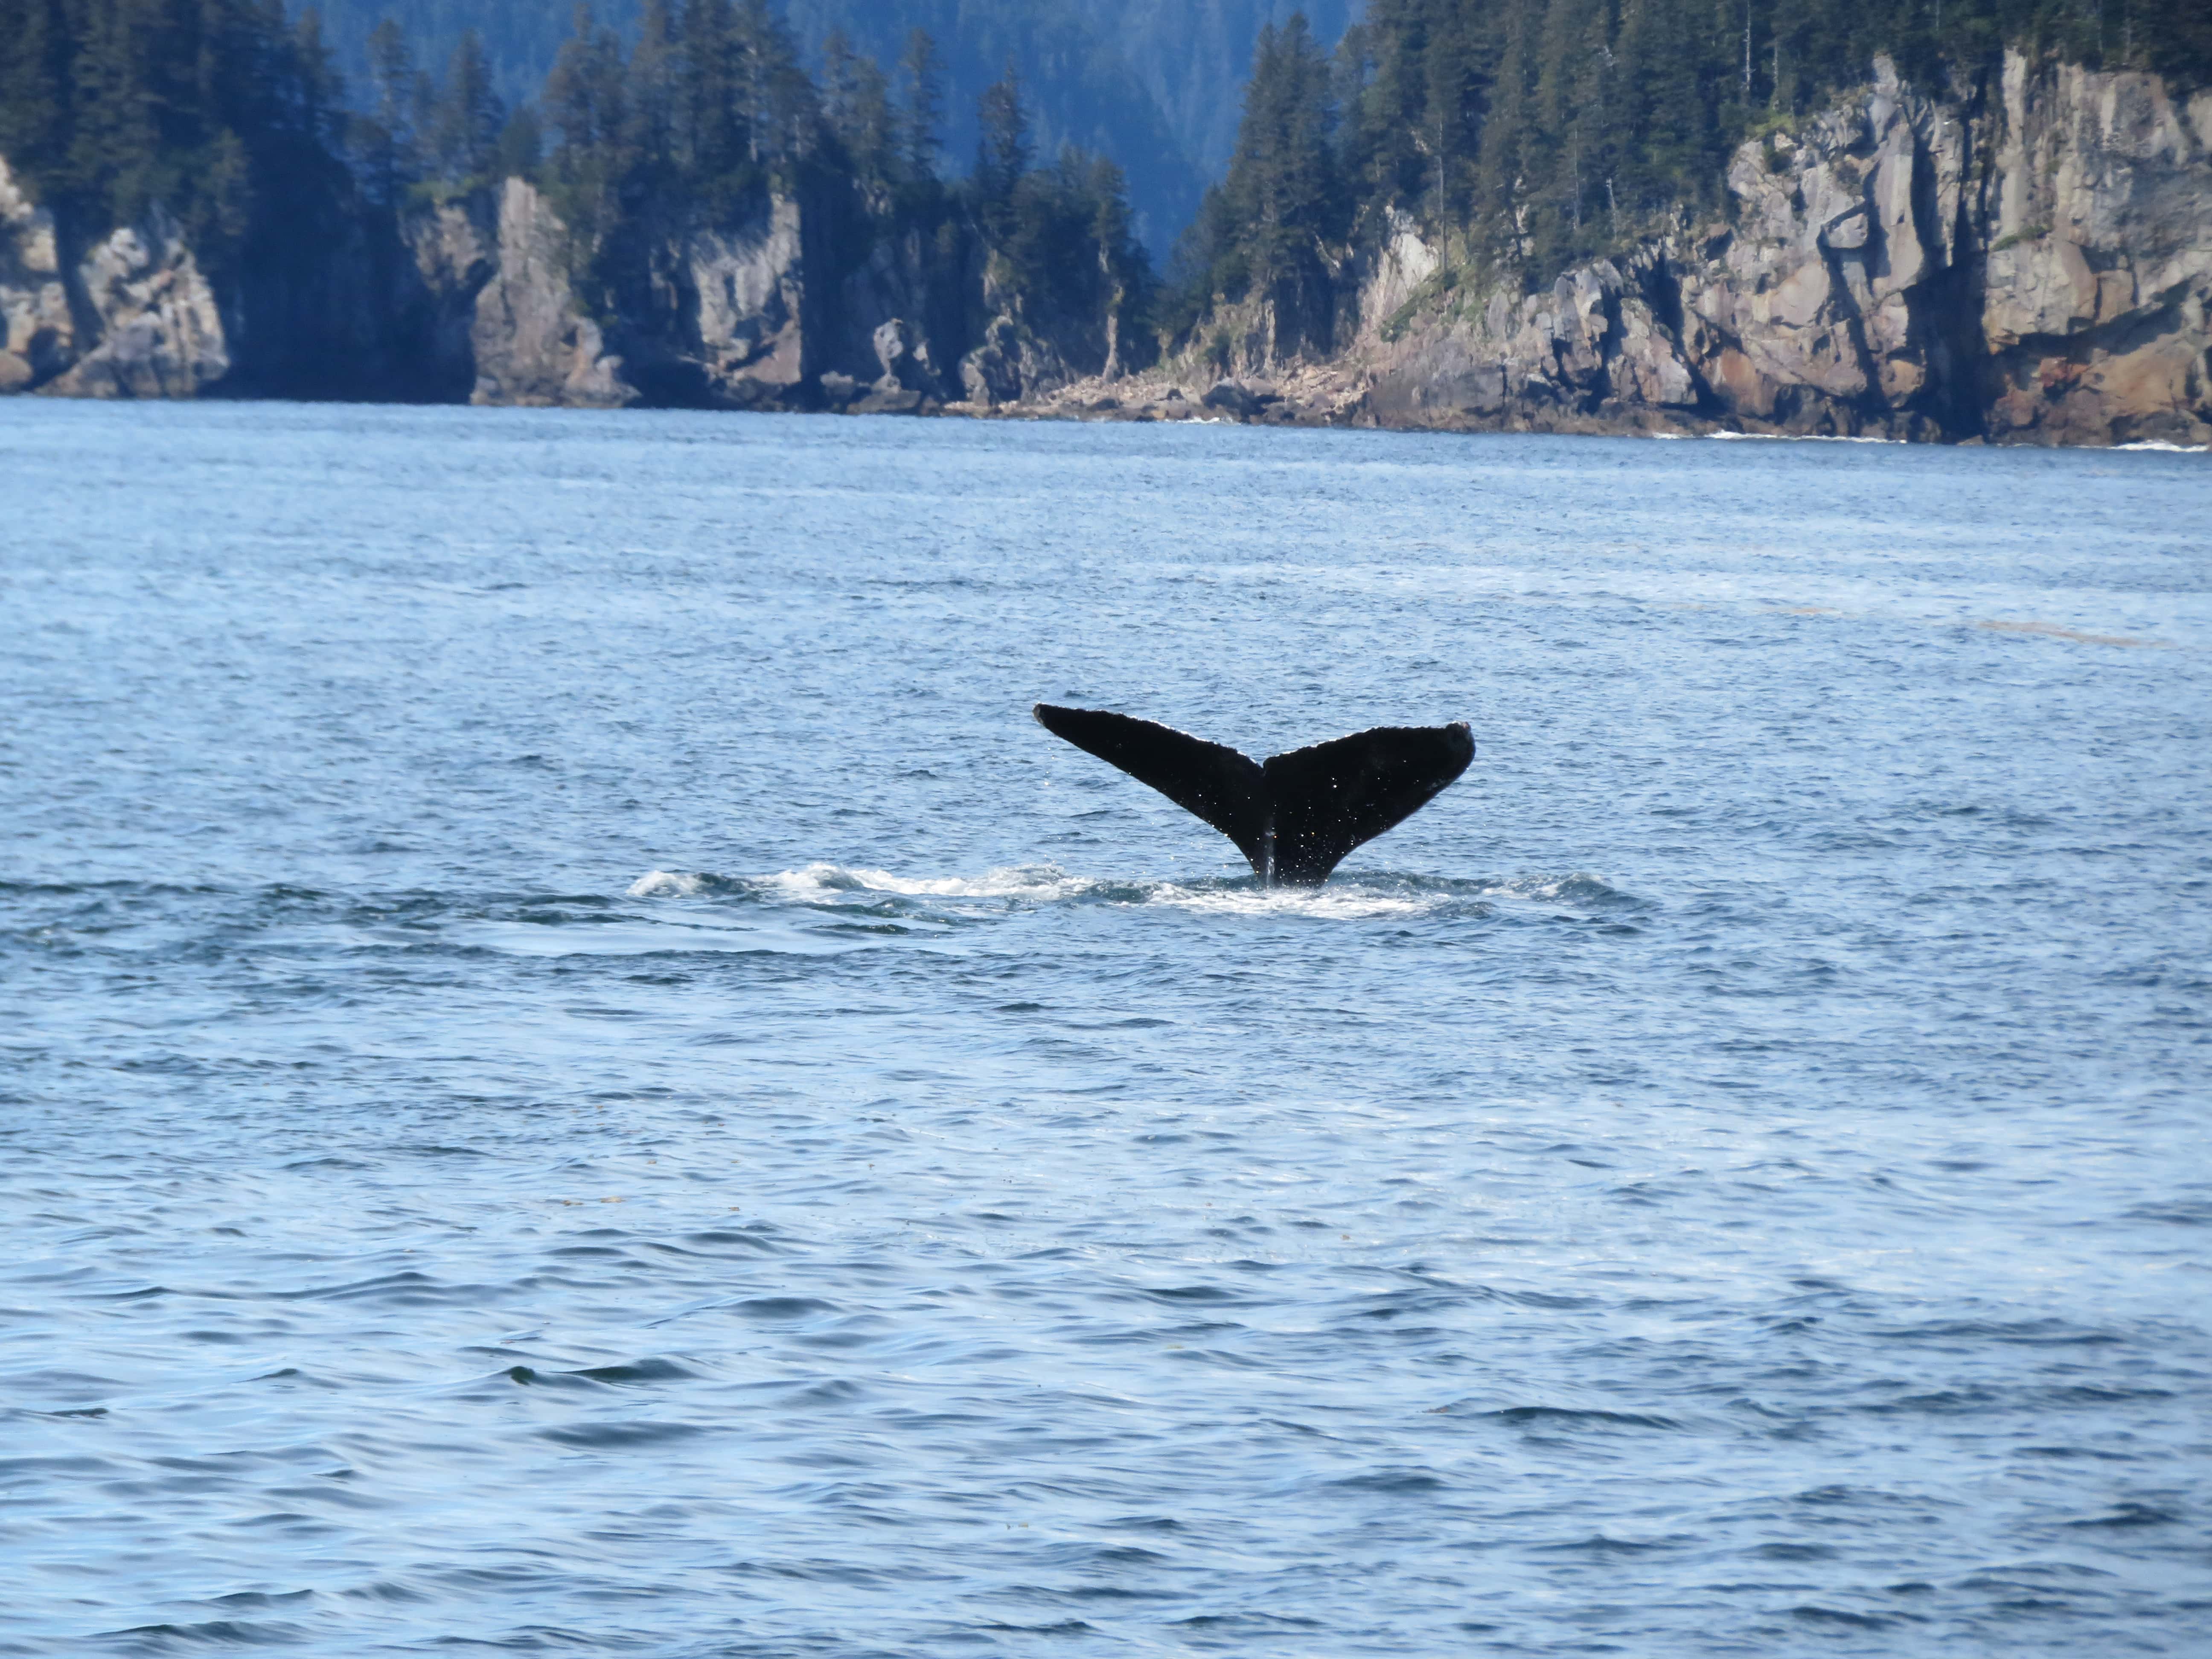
(132, 316)
(2033, 264)
(2027, 258)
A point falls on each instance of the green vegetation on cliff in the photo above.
(228, 116)
(1522, 135)
(236, 125)
(1544, 132)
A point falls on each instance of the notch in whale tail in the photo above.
(1295, 816)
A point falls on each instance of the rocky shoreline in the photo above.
(2027, 261)
(2030, 265)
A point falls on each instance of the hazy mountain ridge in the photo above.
(1153, 83)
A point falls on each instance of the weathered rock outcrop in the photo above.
(1837, 302)
(37, 335)
(491, 297)
(528, 337)
(1593, 348)
(2098, 276)
(2027, 258)
(133, 317)
(451, 255)
(1011, 365)
(2030, 261)
(790, 307)
(158, 331)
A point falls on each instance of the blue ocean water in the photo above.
(580, 1078)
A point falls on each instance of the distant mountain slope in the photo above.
(1156, 84)
(1194, 56)
(1078, 85)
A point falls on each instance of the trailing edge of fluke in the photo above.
(1296, 815)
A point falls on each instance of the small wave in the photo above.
(1347, 903)
(1570, 1417)
(936, 902)
(665, 884)
(219, 1633)
(1033, 883)
(1577, 889)
(2162, 446)
(618, 1436)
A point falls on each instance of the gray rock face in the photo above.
(1235, 397)
(744, 326)
(2038, 267)
(38, 335)
(453, 253)
(730, 317)
(532, 343)
(905, 358)
(481, 298)
(1592, 347)
(159, 332)
(1011, 365)
(144, 322)
(1825, 309)
(2098, 272)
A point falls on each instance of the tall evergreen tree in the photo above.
(468, 115)
(921, 74)
(1002, 153)
(386, 139)
(1283, 189)
(856, 100)
(34, 79)
(650, 97)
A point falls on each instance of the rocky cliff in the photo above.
(2027, 258)
(797, 304)
(2030, 260)
(129, 316)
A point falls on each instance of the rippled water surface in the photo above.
(577, 1077)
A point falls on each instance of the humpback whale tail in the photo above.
(1296, 815)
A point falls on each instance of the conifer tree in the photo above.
(781, 107)
(1282, 187)
(649, 100)
(921, 73)
(856, 101)
(469, 114)
(33, 77)
(386, 138)
(713, 135)
(1002, 153)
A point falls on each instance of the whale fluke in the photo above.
(1294, 817)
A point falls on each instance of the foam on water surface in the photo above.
(1347, 896)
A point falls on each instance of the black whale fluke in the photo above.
(1293, 815)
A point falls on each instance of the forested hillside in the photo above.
(1153, 83)
(229, 117)
(238, 126)
(226, 134)
(1538, 132)
(711, 207)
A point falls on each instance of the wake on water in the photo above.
(1364, 895)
